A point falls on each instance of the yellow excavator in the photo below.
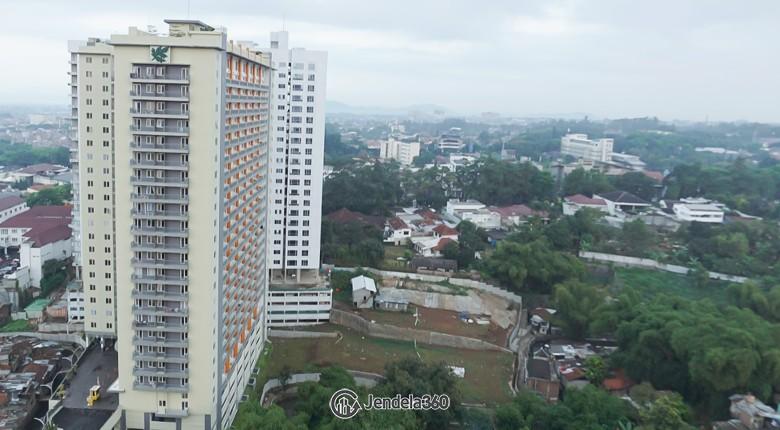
(94, 395)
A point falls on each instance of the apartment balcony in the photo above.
(173, 413)
(160, 231)
(171, 181)
(159, 113)
(160, 357)
(159, 131)
(160, 311)
(161, 327)
(162, 97)
(159, 247)
(159, 264)
(162, 165)
(173, 215)
(172, 148)
(159, 198)
(160, 341)
(168, 78)
(173, 388)
(158, 295)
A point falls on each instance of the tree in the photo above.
(668, 412)
(636, 238)
(636, 183)
(588, 182)
(576, 303)
(252, 416)
(700, 275)
(495, 182)
(53, 196)
(531, 265)
(595, 370)
(411, 376)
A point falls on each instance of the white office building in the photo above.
(579, 146)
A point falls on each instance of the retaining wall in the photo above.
(646, 263)
(358, 323)
(299, 334)
(468, 283)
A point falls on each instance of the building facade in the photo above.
(188, 174)
(297, 144)
(297, 155)
(403, 152)
(579, 146)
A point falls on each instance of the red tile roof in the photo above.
(47, 224)
(345, 215)
(397, 223)
(517, 210)
(428, 214)
(584, 200)
(656, 176)
(445, 230)
(442, 243)
(10, 201)
(618, 382)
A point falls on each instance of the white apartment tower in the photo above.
(184, 186)
(297, 154)
(295, 199)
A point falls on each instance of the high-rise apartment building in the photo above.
(172, 178)
(579, 146)
(295, 198)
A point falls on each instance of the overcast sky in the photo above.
(676, 59)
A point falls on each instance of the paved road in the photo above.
(94, 365)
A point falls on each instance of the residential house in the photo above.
(572, 204)
(622, 202)
(397, 231)
(428, 264)
(541, 376)
(363, 292)
(749, 413)
(391, 300)
(515, 215)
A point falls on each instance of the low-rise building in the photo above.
(572, 204)
(541, 376)
(515, 215)
(74, 297)
(363, 292)
(397, 231)
(296, 307)
(698, 210)
(11, 206)
(620, 202)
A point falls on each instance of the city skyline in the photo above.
(606, 60)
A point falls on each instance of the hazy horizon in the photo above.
(609, 59)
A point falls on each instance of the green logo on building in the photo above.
(159, 53)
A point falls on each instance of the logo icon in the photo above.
(344, 404)
(159, 53)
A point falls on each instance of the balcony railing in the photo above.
(155, 129)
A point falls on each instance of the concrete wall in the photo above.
(358, 323)
(468, 283)
(646, 263)
(290, 334)
(54, 337)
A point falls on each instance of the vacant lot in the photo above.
(440, 320)
(18, 325)
(487, 372)
(651, 283)
(392, 258)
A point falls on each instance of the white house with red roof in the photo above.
(397, 231)
(41, 233)
(572, 204)
(515, 215)
(11, 206)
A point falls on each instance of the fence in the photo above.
(646, 263)
(358, 323)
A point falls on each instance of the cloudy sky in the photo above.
(674, 59)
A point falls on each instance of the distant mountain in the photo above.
(334, 107)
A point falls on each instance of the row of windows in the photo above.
(88, 74)
(88, 59)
